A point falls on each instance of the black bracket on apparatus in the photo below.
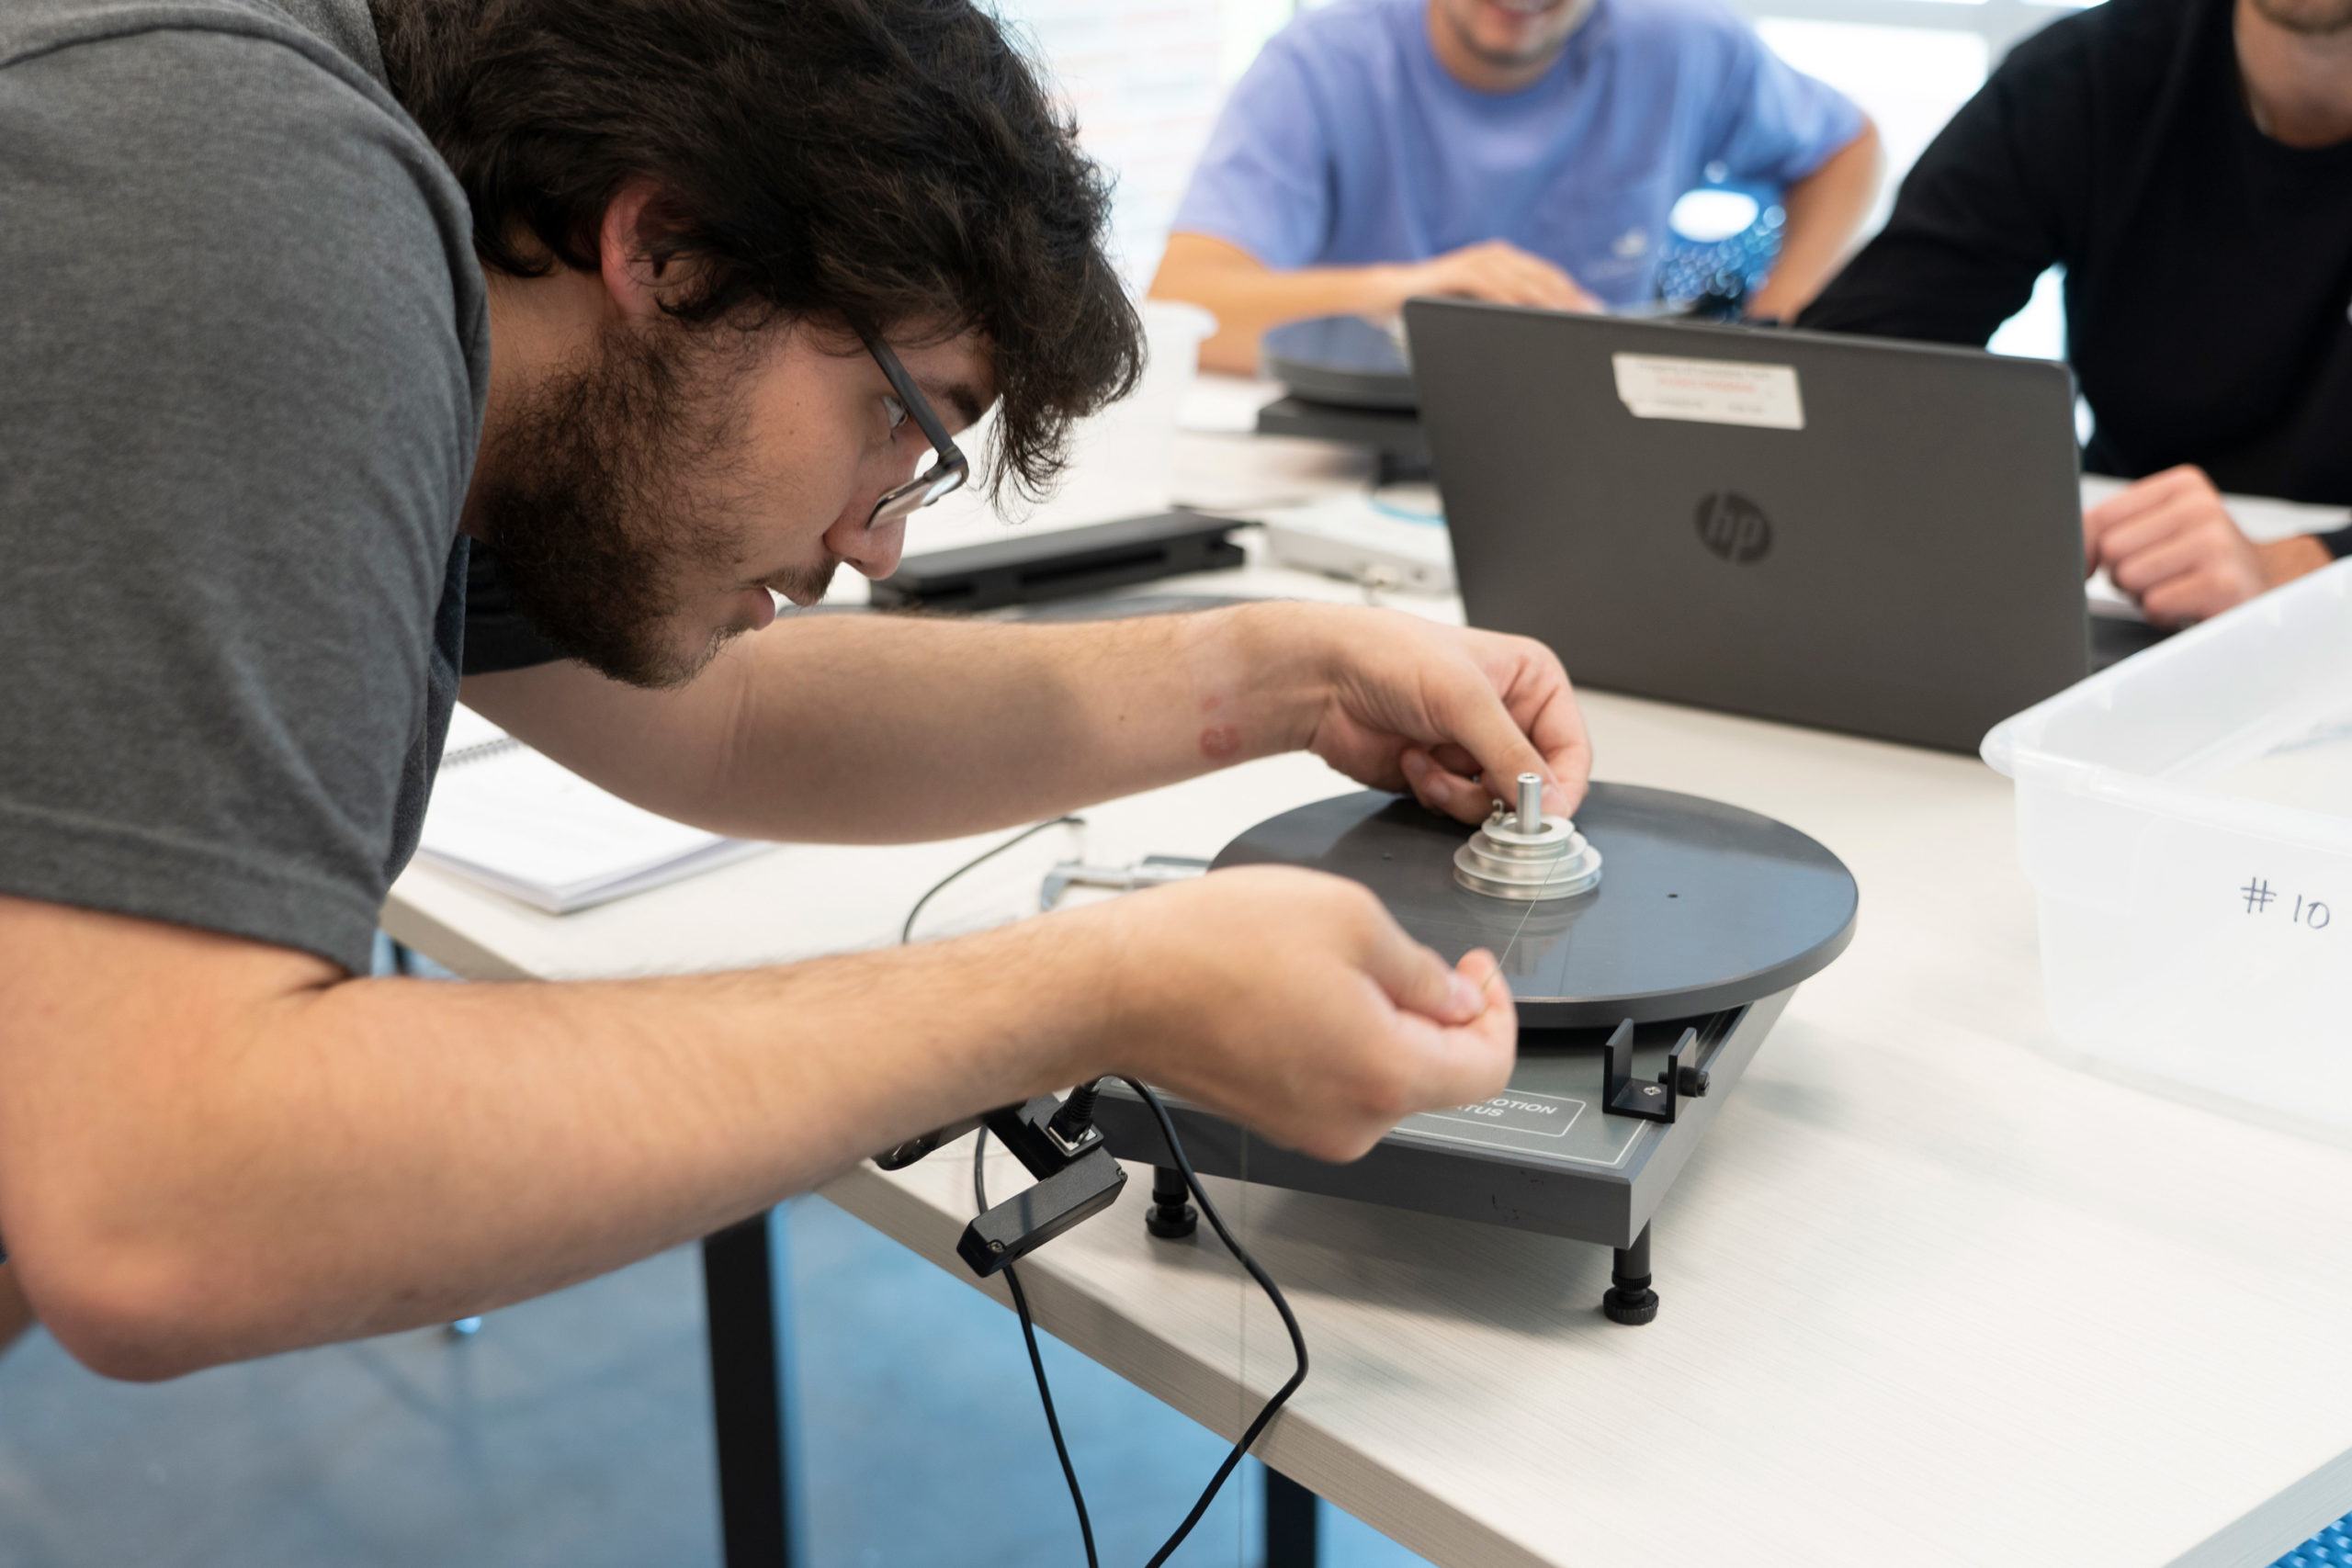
(1058, 1143)
(1621, 1096)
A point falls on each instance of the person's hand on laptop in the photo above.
(2170, 542)
(1496, 271)
(1248, 298)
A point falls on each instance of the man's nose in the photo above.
(875, 552)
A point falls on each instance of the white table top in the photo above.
(1929, 1293)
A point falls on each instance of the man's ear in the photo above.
(635, 281)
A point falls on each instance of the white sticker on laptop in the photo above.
(1710, 391)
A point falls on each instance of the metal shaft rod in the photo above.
(1531, 803)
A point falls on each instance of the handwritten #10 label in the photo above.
(2300, 909)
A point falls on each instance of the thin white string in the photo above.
(1242, 1370)
(1512, 945)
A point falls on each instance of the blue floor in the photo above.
(974, 1443)
(2332, 1547)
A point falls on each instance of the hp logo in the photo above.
(1733, 527)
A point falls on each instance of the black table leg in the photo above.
(747, 1397)
(1290, 1522)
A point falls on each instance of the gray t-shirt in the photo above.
(244, 352)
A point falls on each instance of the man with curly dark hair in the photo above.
(539, 345)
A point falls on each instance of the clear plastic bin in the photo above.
(2185, 818)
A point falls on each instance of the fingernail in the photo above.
(1468, 1000)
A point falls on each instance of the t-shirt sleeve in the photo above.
(1774, 124)
(1982, 213)
(236, 424)
(1264, 183)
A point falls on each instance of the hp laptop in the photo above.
(1855, 534)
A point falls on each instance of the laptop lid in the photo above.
(1850, 532)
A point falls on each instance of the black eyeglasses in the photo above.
(947, 474)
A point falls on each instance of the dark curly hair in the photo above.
(891, 163)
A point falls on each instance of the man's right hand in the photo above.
(1290, 1000)
(2170, 542)
(1496, 271)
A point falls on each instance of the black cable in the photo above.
(1037, 1363)
(907, 931)
(1216, 1223)
(980, 1197)
(1241, 1255)
(1265, 1283)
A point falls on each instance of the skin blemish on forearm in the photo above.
(1221, 742)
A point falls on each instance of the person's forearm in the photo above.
(1824, 212)
(883, 728)
(1247, 297)
(357, 1157)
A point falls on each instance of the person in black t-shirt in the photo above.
(2188, 163)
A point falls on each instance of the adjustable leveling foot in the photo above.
(1629, 1298)
(1170, 1218)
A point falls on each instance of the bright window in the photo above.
(1908, 80)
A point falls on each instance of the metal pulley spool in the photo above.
(1525, 855)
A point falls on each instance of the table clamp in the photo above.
(1153, 871)
(1057, 1141)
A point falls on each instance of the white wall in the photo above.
(1144, 78)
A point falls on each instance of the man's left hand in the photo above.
(2170, 543)
(1452, 715)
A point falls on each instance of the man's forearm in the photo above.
(954, 728)
(356, 1157)
(1247, 297)
(213, 1148)
(1824, 211)
(878, 729)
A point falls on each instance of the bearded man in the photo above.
(2190, 163)
(349, 352)
(1523, 152)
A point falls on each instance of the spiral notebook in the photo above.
(516, 821)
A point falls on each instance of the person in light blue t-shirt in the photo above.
(1525, 152)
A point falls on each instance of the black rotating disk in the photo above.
(1702, 906)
